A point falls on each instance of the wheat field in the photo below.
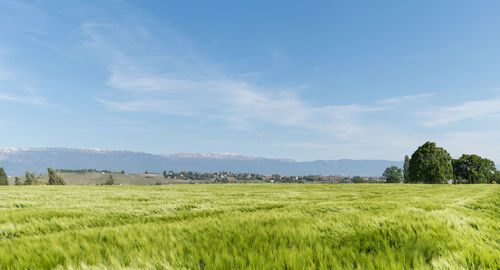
(250, 226)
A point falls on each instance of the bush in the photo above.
(358, 180)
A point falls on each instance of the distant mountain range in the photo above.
(16, 161)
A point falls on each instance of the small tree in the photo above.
(165, 174)
(358, 180)
(110, 181)
(54, 178)
(17, 181)
(393, 174)
(4, 181)
(406, 169)
(34, 177)
(29, 178)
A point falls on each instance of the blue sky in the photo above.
(283, 79)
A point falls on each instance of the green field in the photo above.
(250, 226)
(97, 178)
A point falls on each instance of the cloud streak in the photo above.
(406, 99)
(179, 89)
(13, 90)
(472, 110)
(168, 77)
(239, 103)
(30, 99)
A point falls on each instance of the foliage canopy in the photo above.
(4, 181)
(110, 181)
(54, 178)
(393, 174)
(430, 164)
(474, 169)
(406, 169)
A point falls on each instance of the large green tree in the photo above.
(54, 178)
(406, 169)
(496, 177)
(474, 169)
(393, 174)
(430, 164)
(4, 181)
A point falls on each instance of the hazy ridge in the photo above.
(17, 160)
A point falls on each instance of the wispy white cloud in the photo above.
(169, 77)
(13, 90)
(238, 102)
(472, 110)
(188, 85)
(482, 142)
(8, 123)
(27, 98)
(375, 143)
(406, 99)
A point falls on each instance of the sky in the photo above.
(305, 80)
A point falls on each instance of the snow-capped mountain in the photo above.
(17, 160)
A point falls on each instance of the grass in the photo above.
(250, 226)
(93, 178)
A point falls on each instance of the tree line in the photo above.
(32, 179)
(228, 177)
(84, 171)
(434, 165)
(428, 164)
